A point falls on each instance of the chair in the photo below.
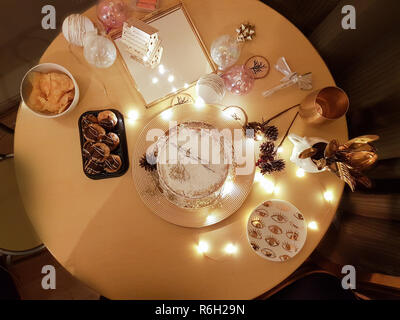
(17, 236)
(8, 289)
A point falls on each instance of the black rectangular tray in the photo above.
(122, 149)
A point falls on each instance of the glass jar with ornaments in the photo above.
(226, 49)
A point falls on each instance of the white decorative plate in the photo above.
(276, 230)
(154, 198)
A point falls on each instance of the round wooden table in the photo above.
(102, 232)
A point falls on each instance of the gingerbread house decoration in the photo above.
(142, 42)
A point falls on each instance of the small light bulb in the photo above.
(280, 150)
(313, 225)
(154, 80)
(277, 190)
(133, 115)
(186, 85)
(258, 176)
(145, 58)
(171, 78)
(268, 185)
(230, 248)
(174, 89)
(202, 247)
(328, 195)
(300, 173)
(167, 114)
(161, 69)
(259, 137)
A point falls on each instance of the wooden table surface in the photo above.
(103, 233)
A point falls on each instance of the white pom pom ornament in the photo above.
(75, 27)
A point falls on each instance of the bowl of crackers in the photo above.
(49, 90)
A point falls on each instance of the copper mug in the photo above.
(324, 105)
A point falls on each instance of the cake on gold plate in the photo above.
(193, 164)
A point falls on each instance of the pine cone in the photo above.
(146, 165)
(278, 165)
(265, 166)
(267, 147)
(271, 132)
(270, 166)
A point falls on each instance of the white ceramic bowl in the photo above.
(26, 88)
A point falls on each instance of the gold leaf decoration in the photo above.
(362, 139)
(308, 153)
(345, 175)
(331, 148)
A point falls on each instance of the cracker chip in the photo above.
(51, 92)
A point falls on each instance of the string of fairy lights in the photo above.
(203, 247)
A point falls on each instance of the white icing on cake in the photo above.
(192, 164)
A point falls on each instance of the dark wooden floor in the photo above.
(28, 278)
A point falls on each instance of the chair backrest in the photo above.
(16, 232)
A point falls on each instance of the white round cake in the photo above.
(193, 164)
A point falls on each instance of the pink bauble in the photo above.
(238, 80)
(112, 13)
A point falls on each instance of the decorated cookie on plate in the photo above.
(276, 230)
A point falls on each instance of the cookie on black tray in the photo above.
(113, 163)
(99, 151)
(93, 132)
(93, 167)
(111, 139)
(88, 119)
(107, 119)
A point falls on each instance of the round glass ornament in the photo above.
(238, 80)
(225, 51)
(99, 51)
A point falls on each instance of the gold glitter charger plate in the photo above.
(276, 230)
(146, 182)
